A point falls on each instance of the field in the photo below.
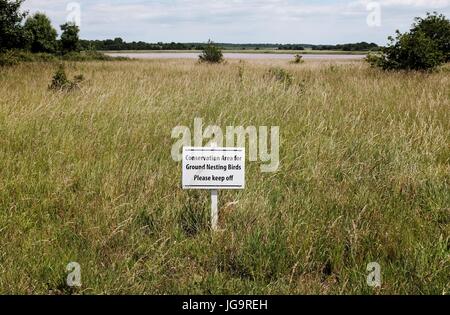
(251, 51)
(86, 176)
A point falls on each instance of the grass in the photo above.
(87, 176)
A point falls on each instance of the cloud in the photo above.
(321, 21)
(436, 4)
(417, 3)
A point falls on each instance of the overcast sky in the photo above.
(240, 21)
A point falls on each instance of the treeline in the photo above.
(119, 44)
(362, 46)
(292, 47)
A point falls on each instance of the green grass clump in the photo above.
(280, 75)
(88, 177)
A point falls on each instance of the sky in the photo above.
(239, 21)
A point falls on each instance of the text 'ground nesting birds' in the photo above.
(213, 168)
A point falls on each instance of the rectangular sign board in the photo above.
(213, 168)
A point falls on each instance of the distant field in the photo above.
(236, 56)
(87, 176)
(252, 51)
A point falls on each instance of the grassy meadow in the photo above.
(87, 176)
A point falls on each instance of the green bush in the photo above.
(84, 56)
(409, 51)
(60, 82)
(298, 59)
(90, 56)
(437, 28)
(425, 47)
(43, 57)
(8, 58)
(12, 57)
(211, 54)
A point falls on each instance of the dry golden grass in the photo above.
(87, 176)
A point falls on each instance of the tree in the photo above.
(425, 47)
(436, 27)
(411, 51)
(11, 31)
(69, 37)
(41, 34)
(211, 53)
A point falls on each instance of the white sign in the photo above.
(213, 168)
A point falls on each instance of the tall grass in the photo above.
(87, 176)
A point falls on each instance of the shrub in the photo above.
(437, 28)
(409, 51)
(43, 57)
(60, 82)
(374, 59)
(425, 47)
(211, 54)
(90, 56)
(26, 56)
(8, 58)
(298, 59)
(13, 57)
